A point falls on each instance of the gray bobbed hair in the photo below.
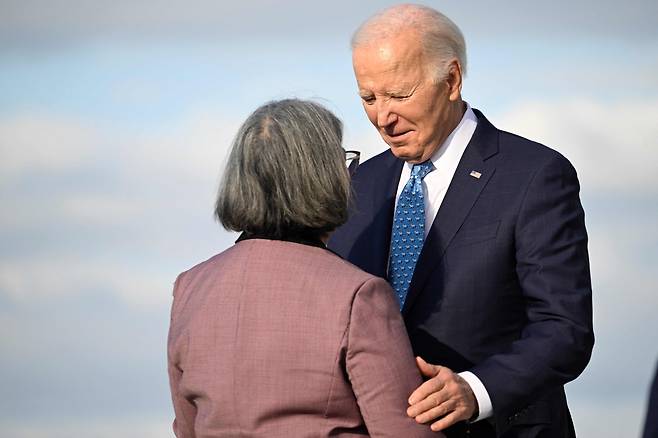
(286, 173)
(441, 38)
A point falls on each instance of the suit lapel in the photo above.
(462, 193)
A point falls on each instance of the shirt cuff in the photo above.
(485, 410)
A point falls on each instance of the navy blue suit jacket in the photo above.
(502, 286)
(651, 420)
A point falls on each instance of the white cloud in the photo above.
(614, 146)
(97, 232)
(195, 147)
(30, 280)
(624, 302)
(34, 143)
(119, 183)
(126, 427)
(99, 209)
(591, 417)
(88, 209)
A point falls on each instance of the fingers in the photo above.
(430, 407)
(433, 407)
(447, 421)
(445, 396)
(426, 369)
(435, 384)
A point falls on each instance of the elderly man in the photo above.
(480, 232)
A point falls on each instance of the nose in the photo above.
(385, 116)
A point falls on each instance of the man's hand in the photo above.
(445, 395)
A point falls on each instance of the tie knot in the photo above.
(420, 170)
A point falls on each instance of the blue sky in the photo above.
(115, 120)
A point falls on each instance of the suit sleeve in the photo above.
(651, 419)
(380, 363)
(552, 268)
(184, 409)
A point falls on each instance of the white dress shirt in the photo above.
(435, 185)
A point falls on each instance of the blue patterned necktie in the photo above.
(408, 231)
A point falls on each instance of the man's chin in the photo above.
(406, 153)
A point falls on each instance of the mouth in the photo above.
(399, 136)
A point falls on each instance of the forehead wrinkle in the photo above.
(389, 67)
(388, 81)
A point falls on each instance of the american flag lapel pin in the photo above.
(475, 174)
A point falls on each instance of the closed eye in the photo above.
(368, 99)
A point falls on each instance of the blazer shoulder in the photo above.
(375, 164)
(330, 270)
(511, 149)
(517, 148)
(345, 268)
(211, 262)
(202, 269)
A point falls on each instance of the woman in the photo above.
(277, 336)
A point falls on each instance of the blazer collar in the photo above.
(485, 137)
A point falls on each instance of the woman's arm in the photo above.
(380, 363)
(184, 409)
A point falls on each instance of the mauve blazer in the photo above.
(280, 339)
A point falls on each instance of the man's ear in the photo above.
(454, 80)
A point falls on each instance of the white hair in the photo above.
(440, 37)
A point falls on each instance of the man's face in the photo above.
(411, 112)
